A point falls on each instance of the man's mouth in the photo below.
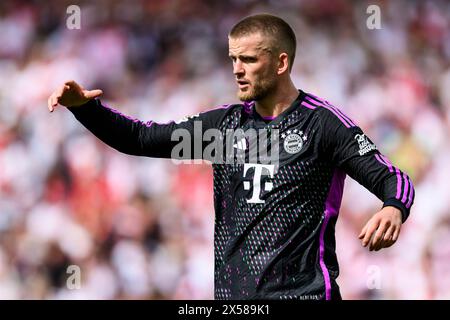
(242, 83)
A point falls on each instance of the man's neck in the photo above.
(276, 103)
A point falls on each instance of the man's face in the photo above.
(254, 68)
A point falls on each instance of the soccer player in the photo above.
(274, 222)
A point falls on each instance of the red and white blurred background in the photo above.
(141, 228)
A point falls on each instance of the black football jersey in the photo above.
(277, 194)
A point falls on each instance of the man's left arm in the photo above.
(354, 152)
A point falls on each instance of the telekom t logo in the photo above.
(257, 180)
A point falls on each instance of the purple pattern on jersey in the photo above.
(403, 182)
(315, 101)
(309, 106)
(332, 206)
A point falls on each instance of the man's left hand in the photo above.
(383, 229)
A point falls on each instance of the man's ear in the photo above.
(283, 63)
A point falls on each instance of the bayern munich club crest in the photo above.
(293, 141)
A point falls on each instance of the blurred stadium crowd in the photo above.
(142, 228)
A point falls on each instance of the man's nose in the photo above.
(238, 68)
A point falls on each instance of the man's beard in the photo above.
(259, 91)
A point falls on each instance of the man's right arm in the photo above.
(135, 137)
(132, 136)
